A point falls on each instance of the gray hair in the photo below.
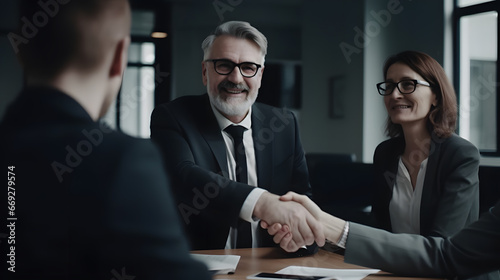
(238, 29)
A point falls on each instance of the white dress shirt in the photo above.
(246, 212)
(405, 204)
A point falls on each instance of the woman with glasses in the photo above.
(426, 175)
(427, 184)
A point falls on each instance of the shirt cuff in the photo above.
(246, 212)
(343, 239)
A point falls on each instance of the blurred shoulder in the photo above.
(456, 147)
(112, 143)
(261, 110)
(186, 101)
(455, 142)
(184, 107)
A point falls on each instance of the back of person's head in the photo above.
(237, 29)
(442, 118)
(73, 32)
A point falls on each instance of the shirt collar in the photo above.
(224, 122)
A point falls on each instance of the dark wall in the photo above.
(10, 72)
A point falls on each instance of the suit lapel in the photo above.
(210, 131)
(263, 147)
(393, 164)
(429, 191)
(394, 152)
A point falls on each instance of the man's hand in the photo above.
(306, 202)
(332, 226)
(293, 226)
(281, 232)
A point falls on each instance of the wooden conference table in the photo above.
(256, 260)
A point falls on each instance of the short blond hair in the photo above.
(80, 32)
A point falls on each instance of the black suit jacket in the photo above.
(209, 202)
(470, 252)
(450, 197)
(90, 203)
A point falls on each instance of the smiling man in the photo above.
(230, 157)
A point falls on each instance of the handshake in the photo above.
(295, 221)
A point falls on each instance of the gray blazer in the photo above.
(450, 198)
(470, 252)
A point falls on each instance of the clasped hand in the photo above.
(292, 220)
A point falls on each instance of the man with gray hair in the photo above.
(231, 157)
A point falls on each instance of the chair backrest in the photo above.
(314, 159)
(489, 187)
(343, 189)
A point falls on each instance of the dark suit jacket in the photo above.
(90, 203)
(470, 252)
(450, 198)
(209, 203)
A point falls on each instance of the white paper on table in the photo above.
(218, 264)
(329, 273)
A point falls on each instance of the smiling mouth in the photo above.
(234, 91)
(232, 88)
(401, 107)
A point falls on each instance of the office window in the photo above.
(476, 74)
(465, 3)
(146, 80)
(132, 110)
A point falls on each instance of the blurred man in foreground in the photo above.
(85, 202)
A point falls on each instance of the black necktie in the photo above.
(244, 234)
(236, 131)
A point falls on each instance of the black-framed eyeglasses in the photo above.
(225, 67)
(404, 86)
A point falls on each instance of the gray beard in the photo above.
(225, 106)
